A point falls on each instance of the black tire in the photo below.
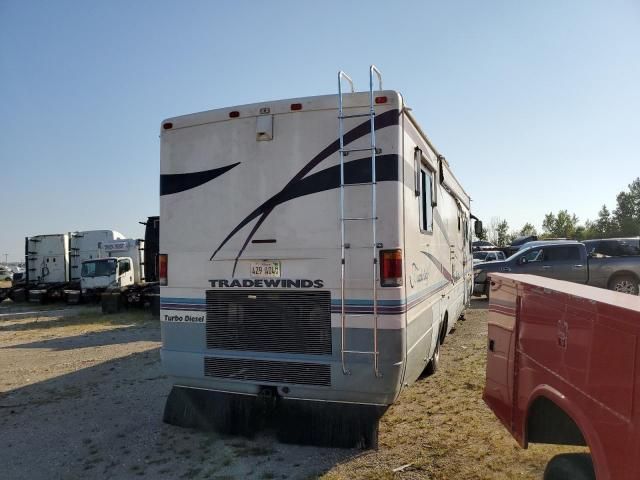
(434, 361)
(570, 466)
(624, 284)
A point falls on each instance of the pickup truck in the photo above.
(566, 260)
(562, 368)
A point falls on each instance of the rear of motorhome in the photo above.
(315, 252)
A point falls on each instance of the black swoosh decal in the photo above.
(439, 266)
(355, 171)
(385, 119)
(179, 182)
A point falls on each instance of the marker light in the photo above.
(391, 268)
(381, 100)
(234, 114)
(162, 268)
(167, 125)
(296, 106)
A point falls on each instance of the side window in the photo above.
(426, 209)
(124, 266)
(534, 255)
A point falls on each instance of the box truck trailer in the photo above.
(315, 253)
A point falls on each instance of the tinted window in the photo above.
(617, 248)
(561, 254)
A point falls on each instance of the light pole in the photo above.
(6, 255)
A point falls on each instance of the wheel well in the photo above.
(548, 423)
(622, 273)
(443, 329)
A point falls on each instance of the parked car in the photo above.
(562, 368)
(6, 275)
(488, 256)
(564, 260)
(482, 245)
(613, 247)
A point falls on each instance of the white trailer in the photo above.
(315, 252)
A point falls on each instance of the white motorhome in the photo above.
(315, 251)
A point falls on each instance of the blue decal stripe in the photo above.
(352, 305)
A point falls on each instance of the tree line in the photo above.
(623, 221)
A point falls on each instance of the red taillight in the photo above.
(391, 268)
(296, 106)
(167, 125)
(381, 100)
(234, 114)
(162, 269)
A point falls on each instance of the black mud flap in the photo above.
(329, 424)
(325, 424)
(212, 411)
(154, 302)
(111, 302)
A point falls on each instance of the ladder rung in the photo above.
(359, 218)
(350, 247)
(356, 115)
(347, 150)
(361, 352)
(357, 184)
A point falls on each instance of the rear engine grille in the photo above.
(268, 371)
(269, 321)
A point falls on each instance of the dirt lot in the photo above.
(83, 396)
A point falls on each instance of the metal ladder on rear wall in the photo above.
(344, 245)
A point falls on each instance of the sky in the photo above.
(535, 105)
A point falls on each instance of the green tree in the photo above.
(502, 234)
(527, 230)
(562, 225)
(483, 235)
(627, 212)
(605, 225)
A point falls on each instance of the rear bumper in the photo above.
(360, 386)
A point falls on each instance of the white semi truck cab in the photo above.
(100, 274)
(121, 267)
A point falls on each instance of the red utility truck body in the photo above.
(563, 367)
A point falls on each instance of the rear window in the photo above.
(561, 254)
(617, 248)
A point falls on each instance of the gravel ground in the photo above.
(82, 397)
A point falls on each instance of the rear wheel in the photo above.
(570, 466)
(432, 366)
(624, 284)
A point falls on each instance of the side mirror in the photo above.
(477, 228)
(523, 260)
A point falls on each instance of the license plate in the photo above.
(265, 270)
